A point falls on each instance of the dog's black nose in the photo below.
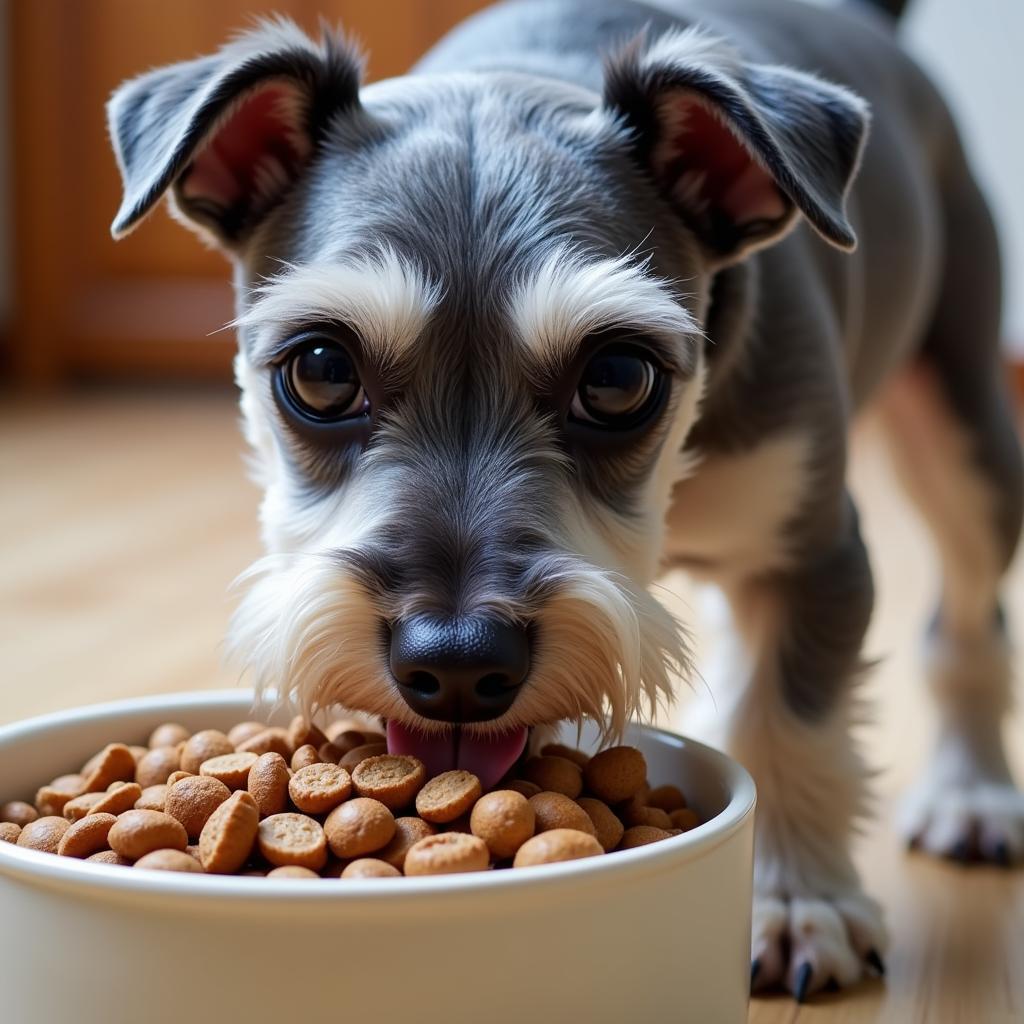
(459, 670)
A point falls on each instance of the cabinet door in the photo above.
(150, 305)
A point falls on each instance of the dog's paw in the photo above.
(977, 820)
(807, 944)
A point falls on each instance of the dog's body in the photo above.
(474, 229)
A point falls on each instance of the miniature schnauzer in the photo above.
(575, 300)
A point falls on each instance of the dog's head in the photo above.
(470, 353)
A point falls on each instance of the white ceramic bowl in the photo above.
(659, 933)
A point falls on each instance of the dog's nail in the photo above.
(961, 851)
(875, 960)
(1001, 854)
(755, 967)
(803, 981)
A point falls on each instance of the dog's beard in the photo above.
(311, 629)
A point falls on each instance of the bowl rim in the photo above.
(68, 872)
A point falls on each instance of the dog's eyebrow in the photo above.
(569, 297)
(385, 299)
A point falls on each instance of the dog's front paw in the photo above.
(807, 943)
(975, 820)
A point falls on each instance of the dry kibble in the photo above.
(528, 789)
(448, 796)
(556, 810)
(109, 857)
(231, 769)
(201, 747)
(557, 845)
(370, 867)
(9, 832)
(555, 775)
(52, 799)
(18, 812)
(684, 819)
(155, 768)
(268, 784)
(244, 731)
(177, 777)
(272, 740)
(319, 788)
(136, 833)
(87, 836)
(114, 763)
(666, 798)
(615, 774)
(346, 740)
(153, 798)
(373, 737)
(408, 832)
(357, 755)
(121, 797)
(641, 835)
(169, 734)
(227, 838)
(305, 756)
(138, 753)
(44, 834)
(358, 827)
(292, 871)
(193, 799)
(633, 815)
(393, 779)
(607, 826)
(446, 854)
(570, 753)
(169, 860)
(504, 820)
(82, 805)
(302, 732)
(292, 839)
(329, 753)
(342, 725)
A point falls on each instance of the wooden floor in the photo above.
(124, 518)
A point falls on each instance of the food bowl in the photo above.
(658, 933)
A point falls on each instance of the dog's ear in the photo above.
(738, 148)
(229, 134)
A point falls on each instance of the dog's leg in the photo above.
(785, 706)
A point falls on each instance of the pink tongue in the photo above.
(488, 757)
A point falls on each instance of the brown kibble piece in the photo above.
(301, 731)
(268, 784)
(642, 835)
(136, 833)
(556, 810)
(227, 838)
(356, 755)
(305, 756)
(446, 854)
(9, 832)
(319, 788)
(358, 827)
(570, 753)
(607, 826)
(504, 820)
(634, 815)
(52, 799)
(447, 796)
(329, 753)
(153, 798)
(201, 747)
(555, 775)
(169, 734)
(138, 752)
(78, 808)
(177, 777)
(666, 798)
(121, 797)
(109, 857)
(169, 860)
(273, 740)
(408, 832)
(193, 799)
(155, 768)
(244, 731)
(346, 740)
(231, 769)
(528, 789)
(292, 871)
(615, 774)
(555, 846)
(19, 812)
(44, 834)
(87, 836)
(292, 839)
(342, 725)
(393, 779)
(370, 867)
(114, 763)
(685, 818)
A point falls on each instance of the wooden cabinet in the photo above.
(146, 307)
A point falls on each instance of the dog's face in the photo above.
(470, 354)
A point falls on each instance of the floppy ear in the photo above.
(738, 148)
(229, 133)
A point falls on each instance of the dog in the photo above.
(597, 289)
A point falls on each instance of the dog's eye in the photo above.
(321, 381)
(618, 389)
